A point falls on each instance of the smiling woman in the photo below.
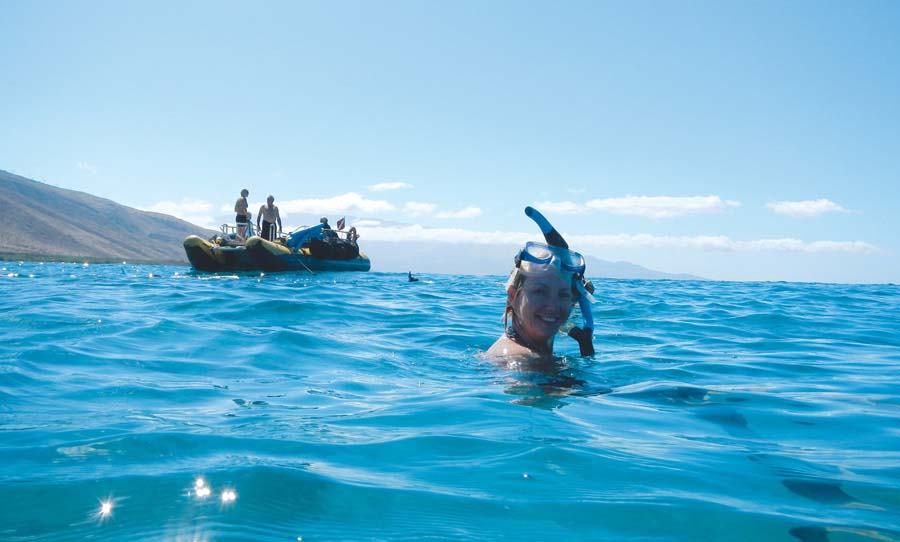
(540, 303)
(541, 291)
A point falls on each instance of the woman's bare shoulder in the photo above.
(505, 349)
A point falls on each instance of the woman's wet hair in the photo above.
(515, 282)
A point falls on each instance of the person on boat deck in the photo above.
(270, 217)
(540, 294)
(242, 214)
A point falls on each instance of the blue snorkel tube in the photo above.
(584, 335)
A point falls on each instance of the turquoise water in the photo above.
(356, 407)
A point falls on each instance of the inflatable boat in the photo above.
(310, 249)
(208, 255)
(318, 248)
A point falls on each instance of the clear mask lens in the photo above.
(542, 254)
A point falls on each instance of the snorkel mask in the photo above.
(555, 253)
(540, 257)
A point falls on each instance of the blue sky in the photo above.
(732, 140)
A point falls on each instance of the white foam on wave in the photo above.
(221, 277)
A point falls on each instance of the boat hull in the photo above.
(276, 257)
(206, 256)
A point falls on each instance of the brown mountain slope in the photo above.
(45, 222)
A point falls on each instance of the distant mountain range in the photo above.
(49, 223)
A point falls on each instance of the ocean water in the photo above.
(154, 403)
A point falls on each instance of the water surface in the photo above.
(204, 407)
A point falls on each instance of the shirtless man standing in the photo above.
(270, 216)
(242, 214)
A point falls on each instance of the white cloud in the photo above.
(806, 208)
(84, 166)
(469, 212)
(561, 207)
(389, 186)
(194, 211)
(415, 232)
(644, 240)
(795, 245)
(661, 206)
(418, 208)
(723, 243)
(349, 203)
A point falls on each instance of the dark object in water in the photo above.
(810, 534)
(411, 277)
(825, 492)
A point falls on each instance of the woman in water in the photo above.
(541, 291)
(540, 295)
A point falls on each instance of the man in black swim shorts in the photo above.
(242, 214)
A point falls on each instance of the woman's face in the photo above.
(542, 304)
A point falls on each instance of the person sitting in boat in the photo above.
(541, 292)
(352, 236)
(242, 215)
(270, 217)
(328, 234)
